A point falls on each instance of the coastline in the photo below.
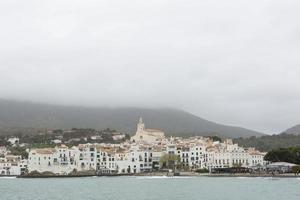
(165, 174)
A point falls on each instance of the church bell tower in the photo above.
(140, 125)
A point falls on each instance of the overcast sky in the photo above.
(233, 62)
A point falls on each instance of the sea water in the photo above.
(150, 188)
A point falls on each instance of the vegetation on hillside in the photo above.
(49, 139)
(270, 142)
(19, 151)
(4, 142)
(215, 138)
(291, 155)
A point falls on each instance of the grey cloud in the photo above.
(235, 62)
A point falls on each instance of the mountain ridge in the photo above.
(295, 130)
(123, 119)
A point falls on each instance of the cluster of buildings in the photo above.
(142, 153)
(11, 165)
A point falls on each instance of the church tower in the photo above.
(140, 126)
(146, 135)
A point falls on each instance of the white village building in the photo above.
(12, 165)
(58, 160)
(13, 140)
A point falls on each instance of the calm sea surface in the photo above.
(152, 188)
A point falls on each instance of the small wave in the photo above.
(152, 177)
(268, 178)
(161, 177)
(258, 177)
(244, 177)
(7, 177)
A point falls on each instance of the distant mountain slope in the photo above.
(293, 130)
(171, 121)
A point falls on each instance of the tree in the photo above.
(19, 151)
(169, 161)
(296, 170)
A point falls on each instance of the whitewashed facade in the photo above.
(12, 165)
(59, 160)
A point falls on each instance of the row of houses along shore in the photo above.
(142, 153)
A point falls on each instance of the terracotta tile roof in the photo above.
(153, 130)
(47, 151)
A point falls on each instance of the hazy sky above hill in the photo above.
(234, 62)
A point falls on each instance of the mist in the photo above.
(233, 62)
